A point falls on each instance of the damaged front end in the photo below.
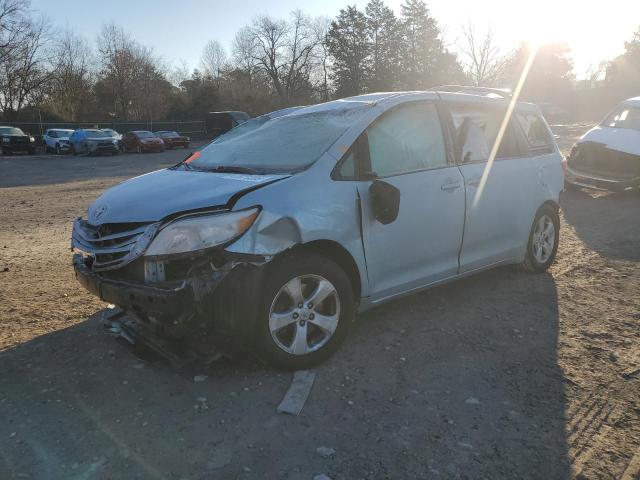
(595, 165)
(182, 295)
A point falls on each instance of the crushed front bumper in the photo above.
(163, 302)
(581, 179)
(209, 306)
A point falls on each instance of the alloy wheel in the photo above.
(304, 314)
(543, 239)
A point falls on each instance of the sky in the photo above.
(177, 30)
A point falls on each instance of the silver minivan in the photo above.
(275, 235)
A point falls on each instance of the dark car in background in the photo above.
(91, 141)
(14, 140)
(141, 141)
(217, 123)
(173, 139)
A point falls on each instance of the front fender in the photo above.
(306, 207)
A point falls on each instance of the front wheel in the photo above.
(543, 240)
(307, 310)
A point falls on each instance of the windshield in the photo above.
(624, 117)
(96, 134)
(62, 133)
(169, 134)
(283, 144)
(144, 134)
(10, 131)
(110, 132)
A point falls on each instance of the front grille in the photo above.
(597, 159)
(20, 140)
(112, 245)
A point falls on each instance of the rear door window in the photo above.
(536, 132)
(406, 139)
(476, 129)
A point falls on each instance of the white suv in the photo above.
(57, 140)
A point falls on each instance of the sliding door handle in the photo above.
(450, 185)
(473, 182)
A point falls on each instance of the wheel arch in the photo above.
(340, 255)
(551, 203)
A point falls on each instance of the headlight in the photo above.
(31, 139)
(115, 142)
(5, 140)
(200, 232)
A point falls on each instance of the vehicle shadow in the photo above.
(461, 381)
(606, 222)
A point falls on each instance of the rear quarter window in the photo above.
(536, 132)
(476, 130)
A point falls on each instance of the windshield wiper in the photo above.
(233, 169)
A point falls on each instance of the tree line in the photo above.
(278, 62)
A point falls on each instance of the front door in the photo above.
(406, 149)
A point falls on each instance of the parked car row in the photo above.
(90, 141)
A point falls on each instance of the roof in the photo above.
(635, 101)
(450, 92)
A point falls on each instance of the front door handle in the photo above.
(450, 185)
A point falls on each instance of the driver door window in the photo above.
(407, 139)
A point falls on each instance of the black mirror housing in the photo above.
(385, 199)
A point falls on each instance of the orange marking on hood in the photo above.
(194, 156)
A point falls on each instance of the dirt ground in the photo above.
(504, 375)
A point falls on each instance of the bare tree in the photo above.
(269, 38)
(72, 63)
(23, 72)
(14, 24)
(135, 77)
(213, 59)
(283, 51)
(321, 58)
(244, 47)
(482, 59)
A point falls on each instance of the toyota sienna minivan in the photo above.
(278, 233)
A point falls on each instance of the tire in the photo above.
(73, 150)
(58, 151)
(139, 149)
(540, 254)
(277, 345)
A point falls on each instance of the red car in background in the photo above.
(141, 141)
(173, 139)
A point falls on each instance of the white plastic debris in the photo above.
(326, 452)
(299, 390)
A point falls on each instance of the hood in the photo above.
(621, 139)
(98, 139)
(156, 195)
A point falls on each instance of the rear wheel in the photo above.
(306, 312)
(543, 240)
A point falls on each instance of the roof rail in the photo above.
(470, 89)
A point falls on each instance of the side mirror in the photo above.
(385, 199)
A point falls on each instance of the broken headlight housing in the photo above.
(199, 232)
